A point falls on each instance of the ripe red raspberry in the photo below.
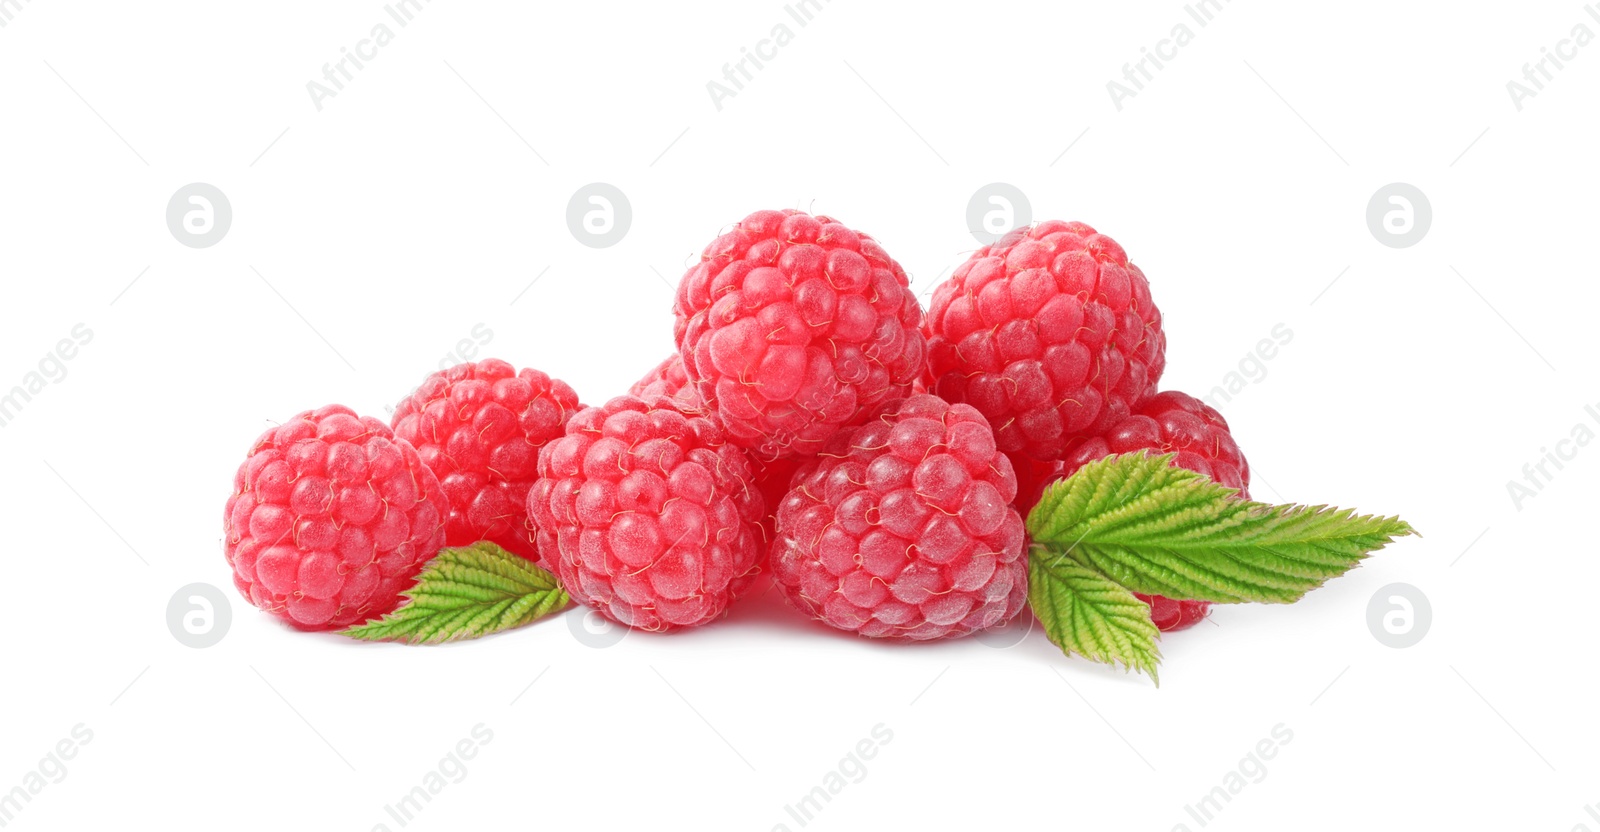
(666, 379)
(903, 527)
(480, 427)
(1172, 423)
(330, 518)
(1169, 422)
(1050, 333)
(648, 513)
(1032, 477)
(1169, 615)
(793, 326)
(772, 478)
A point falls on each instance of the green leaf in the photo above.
(1163, 530)
(1087, 613)
(467, 592)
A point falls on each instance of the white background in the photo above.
(430, 192)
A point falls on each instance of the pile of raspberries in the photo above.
(815, 425)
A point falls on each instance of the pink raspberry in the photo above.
(1172, 423)
(480, 427)
(331, 517)
(793, 326)
(666, 379)
(1169, 615)
(1032, 477)
(1050, 333)
(1169, 422)
(648, 513)
(772, 478)
(903, 527)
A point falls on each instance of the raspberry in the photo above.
(667, 379)
(480, 427)
(1032, 477)
(772, 479)
(1172, 423)
(648, 513)
(331, 516)
(1169, 615)
(793, 326)
(1169, 422)
(903, 527)
(1050, 333)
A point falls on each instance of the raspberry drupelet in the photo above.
(666, 379)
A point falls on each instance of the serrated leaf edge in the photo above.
(467, 592)
(1124, 634)
(1155, 507)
